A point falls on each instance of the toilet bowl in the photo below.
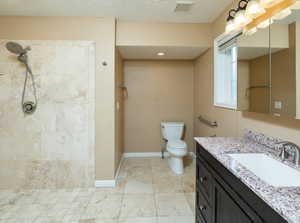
(177, 148)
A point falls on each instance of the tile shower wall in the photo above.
(54, 147)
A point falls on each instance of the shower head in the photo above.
(28, 107)
(15, 48)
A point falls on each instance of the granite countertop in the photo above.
(284, 200)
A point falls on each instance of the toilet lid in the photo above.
(176, 144)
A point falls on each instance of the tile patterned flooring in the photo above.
(146, 192)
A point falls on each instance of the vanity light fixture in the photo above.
(269, 3)
(250, 32)
(253, 14)
(265, 24)
(230, 25)
(254, 9)
(237, 17)
(161, 54)
(240, 18)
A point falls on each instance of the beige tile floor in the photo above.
(147, 192)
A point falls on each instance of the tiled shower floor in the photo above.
(147, 192)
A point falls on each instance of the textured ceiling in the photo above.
(137, 10)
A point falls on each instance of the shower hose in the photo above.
(32, 106)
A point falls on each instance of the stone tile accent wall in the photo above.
(54, 147)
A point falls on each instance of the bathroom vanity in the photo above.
(227, 192)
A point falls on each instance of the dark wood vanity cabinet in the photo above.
(228, 210)
(223, 198)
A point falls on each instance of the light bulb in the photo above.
(265, 24)
(254, 9)
(241, 19)
(230, 26)
(269, 3)
(282, 14)
(249, 32)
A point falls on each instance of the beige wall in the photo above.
(203, 101)
(259, 76)
(163, 34)
(100, 30)
(243, 73)
(284, 77)
(158, 91)
(284, 83)
(119, 114)
(233, 122)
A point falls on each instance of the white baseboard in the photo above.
(105, 183)
(119, 168)
(154, 154)
(141, 155)
(110, 183)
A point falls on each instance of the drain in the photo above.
(29, 107)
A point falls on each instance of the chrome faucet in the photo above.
(283, 146)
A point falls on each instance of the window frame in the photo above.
(220, 40)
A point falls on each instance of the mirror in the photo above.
(265, 77)
(284, 43)
(268, 69)
(253, 71)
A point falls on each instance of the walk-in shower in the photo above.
(28, 107)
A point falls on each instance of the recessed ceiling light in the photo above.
(160, 54)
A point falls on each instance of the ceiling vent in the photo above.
(183, 6)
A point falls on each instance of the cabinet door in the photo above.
(204, 180)
(227, 210)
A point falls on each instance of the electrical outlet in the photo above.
(277, 104)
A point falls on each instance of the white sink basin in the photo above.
(268, 169)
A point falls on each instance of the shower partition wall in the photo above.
(54, 148)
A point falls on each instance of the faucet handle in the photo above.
(293, 146)
(281, 147)
(282, 153)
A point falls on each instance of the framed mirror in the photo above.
(266, 73)
(253, 71)
(285, 66)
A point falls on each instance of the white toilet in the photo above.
(177, 148)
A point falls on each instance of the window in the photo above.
(225, 73)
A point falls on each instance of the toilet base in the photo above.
(176, 164)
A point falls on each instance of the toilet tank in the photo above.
(172, 130)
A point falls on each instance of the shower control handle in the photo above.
(202, 207)
(202, 179)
